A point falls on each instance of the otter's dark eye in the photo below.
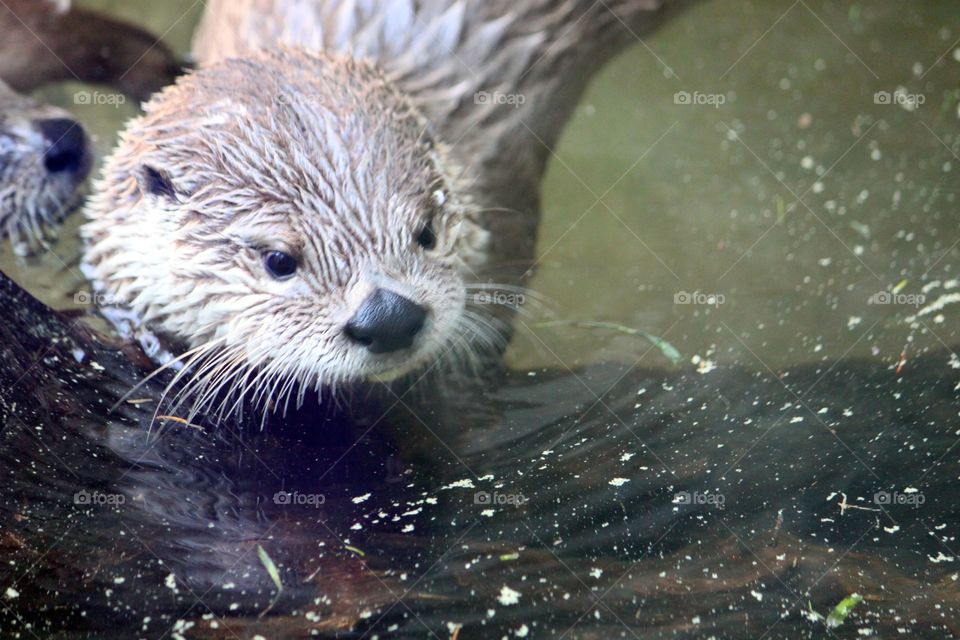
(280, 265)
(427, 238)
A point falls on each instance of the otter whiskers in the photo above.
(221, 380)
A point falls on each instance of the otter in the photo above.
(45, 153)
(264, 239)
(324, 200)
(44, 159)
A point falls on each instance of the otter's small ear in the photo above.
(156, 183)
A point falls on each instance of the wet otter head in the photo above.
(287, 218)
(44, 159)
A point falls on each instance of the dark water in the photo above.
(605, 502)
(802, 449)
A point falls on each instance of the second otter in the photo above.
(45, 154)
(44, 159)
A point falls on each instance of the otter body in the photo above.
(323, 202)
(497, 80)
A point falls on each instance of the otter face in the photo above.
(44, 159)
(288, 219)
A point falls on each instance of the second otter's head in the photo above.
(45, 157)
(288, 217)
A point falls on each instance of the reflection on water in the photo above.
(785, 199)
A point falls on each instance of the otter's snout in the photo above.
(67, 149)
(385, 322)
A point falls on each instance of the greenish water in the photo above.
(710, 206)
(791, 203)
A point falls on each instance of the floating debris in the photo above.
(179, 421)
(508, 596)
(274, 574)
(843, 609)
(667, 349)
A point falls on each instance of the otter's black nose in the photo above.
(386, 321)
(66, 146)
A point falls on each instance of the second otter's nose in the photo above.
(66, 146)
(385, 322)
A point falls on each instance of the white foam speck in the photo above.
(508, 596)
